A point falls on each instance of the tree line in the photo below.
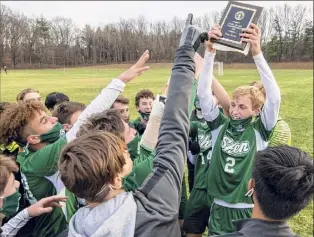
(287, 35)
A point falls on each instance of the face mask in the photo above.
(53, 135)
(250, 194)
(144, 115)
(133, 147)
(197, 103)
(11, 204)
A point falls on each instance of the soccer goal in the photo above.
(219, 68)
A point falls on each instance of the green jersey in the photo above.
(142, 167)
(134, 147)
(203, 158)
(40, 178)
(235, 143)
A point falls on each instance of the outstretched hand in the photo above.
(45, 205)
(192, 35)
(252, 36)
(164, 91)
(137, 69)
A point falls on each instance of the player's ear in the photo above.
(251, 184)
(257, 111)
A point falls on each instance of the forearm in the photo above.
(150, 136)
(209, 108)
(270, 111)
(173, 136)
(15, 224)
(101, 103)
(221, 94)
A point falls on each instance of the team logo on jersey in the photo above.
(234, 148)
(204, 141)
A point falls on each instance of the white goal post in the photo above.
(220, 68)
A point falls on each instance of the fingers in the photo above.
(164, 90)
(189, 19)
(249, 36)
(247, 40)
(216, 27)
(55, 204)
(139, 71)
(145, 55)
(214, 34)
(250, 31)
(255, 27)
(53, 199)
(142, 60)
(46, 210)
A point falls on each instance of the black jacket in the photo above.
(260, 228)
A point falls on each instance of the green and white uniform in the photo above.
(142, 167)
(198, 210)
(134, 147)
(40, 176)
(235, 143)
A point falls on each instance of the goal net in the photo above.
(219, 68)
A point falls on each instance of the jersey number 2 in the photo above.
(230, 162)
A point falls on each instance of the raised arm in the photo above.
(109, 94)
(208, 105)
(221, 95)
(270, 111)
(166, 178)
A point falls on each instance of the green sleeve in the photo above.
(143, 155)
(194, 89)
(142, 167)
(139, 173)
(71, 205)
(43, 162)
(259, 126)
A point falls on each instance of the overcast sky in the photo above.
(102, 12)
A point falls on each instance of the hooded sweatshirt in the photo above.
(114, 218)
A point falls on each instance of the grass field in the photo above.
(83, 84)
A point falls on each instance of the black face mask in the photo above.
(144, 115)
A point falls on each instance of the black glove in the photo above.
(193, 35)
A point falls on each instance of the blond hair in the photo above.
(259, 85)
(255, 95)
(20, 96)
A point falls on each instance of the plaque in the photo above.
(237, 16)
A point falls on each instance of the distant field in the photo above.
(83, 84)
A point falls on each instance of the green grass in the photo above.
(83, 84)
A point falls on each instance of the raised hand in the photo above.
(192, 35)
(214, 33)
(164, 91)
(137, 69)
(45, 205)
(252, 36)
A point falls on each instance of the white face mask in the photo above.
(199, 114)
